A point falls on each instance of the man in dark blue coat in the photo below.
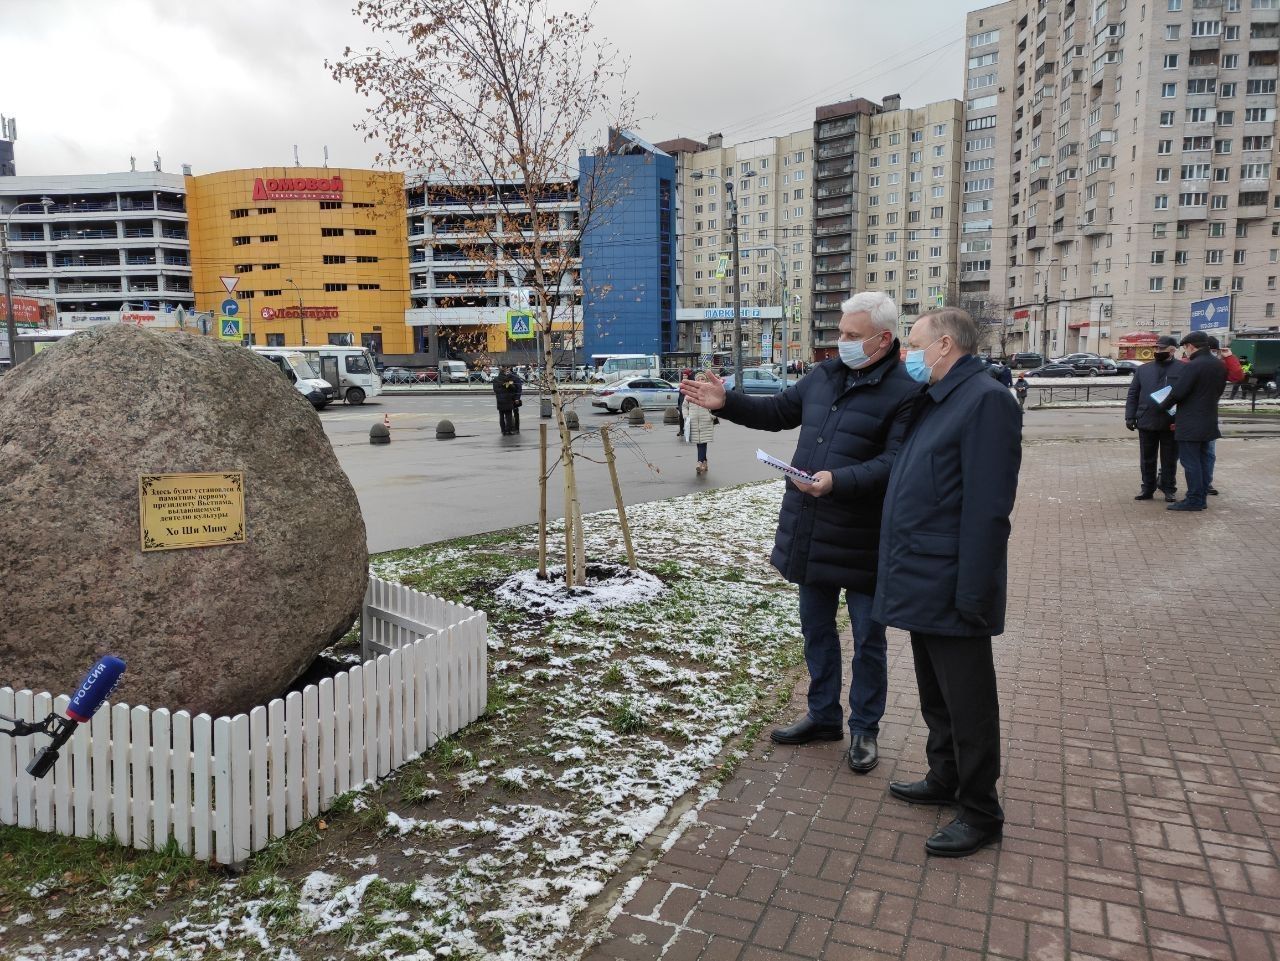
(1154, 426)
(852, 412)
(943, 570)
(1195, 394)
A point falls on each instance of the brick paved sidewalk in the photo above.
(1140, 692)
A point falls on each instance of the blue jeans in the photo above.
(1211, 460)
(1194, 457)
(702, 452)
(870, 684)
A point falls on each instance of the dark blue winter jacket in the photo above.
(945, 540)
(851, 425)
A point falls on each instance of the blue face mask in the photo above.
(852, 353)
(916, 368)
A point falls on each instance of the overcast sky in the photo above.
(236, 83)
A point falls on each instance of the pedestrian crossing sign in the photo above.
(519, 325)
(229, 328)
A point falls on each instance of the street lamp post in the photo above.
(731, 208)
(11, 325)
(302, 323)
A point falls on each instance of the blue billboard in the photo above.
(1212, 314)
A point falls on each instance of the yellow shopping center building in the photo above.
(311, 255)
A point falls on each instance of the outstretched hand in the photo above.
(708, 394)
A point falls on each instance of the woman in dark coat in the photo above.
(507, 388)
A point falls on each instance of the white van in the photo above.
(358, 380)
(301, 374)
(454, 372)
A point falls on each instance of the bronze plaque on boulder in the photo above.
(191, 510)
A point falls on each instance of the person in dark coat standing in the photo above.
(1195, 394)
(943, 570)
(852, 412)
(507, 388)
(1154, 426)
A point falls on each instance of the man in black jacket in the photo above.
(507, 388)
(852, 412)
(1154, 426)
(943, 570)
(1195, 394)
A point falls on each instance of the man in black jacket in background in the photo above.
(1154, 426)
(1195, 394)
(852, 412)
(944, 570)
(507, 388)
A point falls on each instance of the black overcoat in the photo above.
(1147, 379)
(853, 428)
(507, 388)
(945, 536)
(1195, 393)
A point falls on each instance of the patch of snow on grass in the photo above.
(621, 587)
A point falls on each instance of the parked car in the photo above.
(1024, 361)
(1054, 370)
(1127, 366)
(631, 392)
(757, 380)
(398, 375)
(1112, 368)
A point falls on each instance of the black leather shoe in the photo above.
(863, 754)
(1145, 496)
(1170, 497)
(1185, 506)
(804, 731)
(920, 792)
(958, 840)
(1213, 491)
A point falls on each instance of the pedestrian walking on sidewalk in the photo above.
(507, 388)
(943, 570)
(852, 412)
(700, 429)
(1195, 394)
(1021, 387)
(1154, 426)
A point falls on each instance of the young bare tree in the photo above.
(994, 329)
(491, 100)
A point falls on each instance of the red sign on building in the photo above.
(297, 188)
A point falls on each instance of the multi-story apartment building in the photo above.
(462, 282)
(1135, 152)
(887, 188)
(105, 245)
(772, 183)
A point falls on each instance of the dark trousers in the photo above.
(870, 683)
(960, 704)
(702, 452)
(1161, 444)
(508, 420)
(1194, 457)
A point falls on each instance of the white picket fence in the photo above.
(222, 788)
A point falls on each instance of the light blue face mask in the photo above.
(852, 353)
(915, 366)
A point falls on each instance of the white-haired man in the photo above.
(853, 412)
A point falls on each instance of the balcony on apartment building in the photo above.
(831, 246)
(836, 148)
(1251, 205)
(839, 188)
(839, 225)
(840, 282)
(1037, 238)
(834, 168)
(836, 128)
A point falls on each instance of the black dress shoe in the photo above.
(1170, 497)
(1185, 506)
(863, 754)
(804, 731)
(921, 792)
(1213, 491)
(958, 840)
(1145, 496)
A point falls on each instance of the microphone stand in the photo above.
(24, 728)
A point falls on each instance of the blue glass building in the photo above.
(627, 194)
